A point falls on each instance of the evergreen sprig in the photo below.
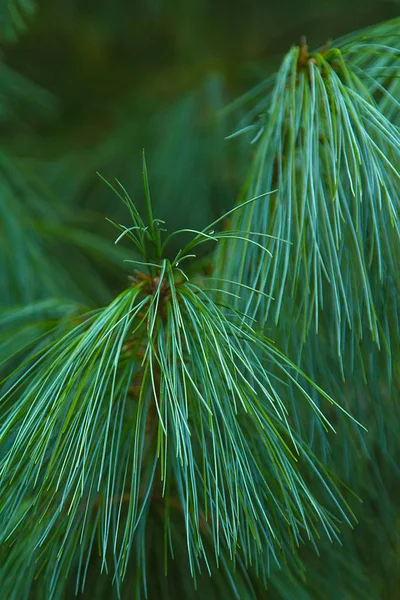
(166, 398)
(324, 142)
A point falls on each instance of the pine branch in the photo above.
(323, 141)
(329, 296)
(164, 397)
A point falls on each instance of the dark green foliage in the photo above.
(334, 159)
(166, 393)
(14, 16)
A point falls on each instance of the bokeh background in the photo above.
(107, 78)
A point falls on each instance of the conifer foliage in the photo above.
(208, 428)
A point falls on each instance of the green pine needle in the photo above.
(165, 398)
(323, 141)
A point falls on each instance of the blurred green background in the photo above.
(104, 79)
